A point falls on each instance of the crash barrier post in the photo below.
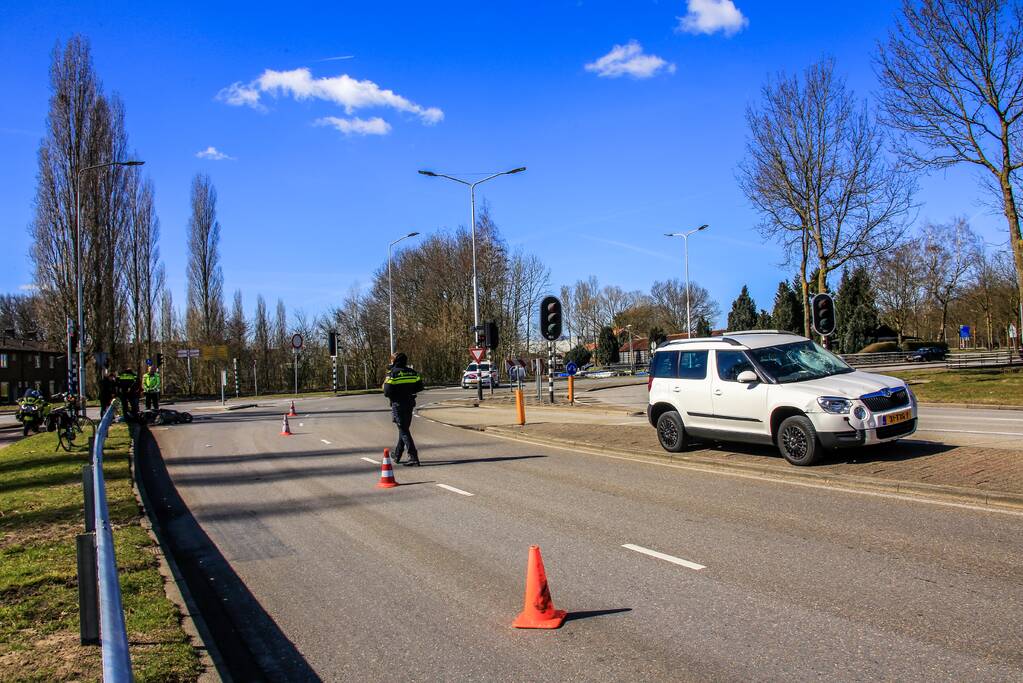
(520, 406)
(113, 635)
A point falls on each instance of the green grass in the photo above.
(40, 515)
(980, 386)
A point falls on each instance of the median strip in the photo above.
(667, 558)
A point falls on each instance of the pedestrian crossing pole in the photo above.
(333, 373)
(237, 392)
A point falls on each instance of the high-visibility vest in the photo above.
(151, 382)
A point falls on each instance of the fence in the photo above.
(102, 615)
(981, 360)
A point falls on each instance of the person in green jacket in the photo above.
(400, 388)
(151, 388)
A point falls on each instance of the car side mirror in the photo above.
(747, 377)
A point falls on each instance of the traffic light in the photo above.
(550, 318)
(822, 314)
(159, 360)
(490, 334)
(332, 343)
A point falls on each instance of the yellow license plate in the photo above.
(895, 418)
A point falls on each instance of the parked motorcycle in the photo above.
(32, 409)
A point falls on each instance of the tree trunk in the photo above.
(1015, 238)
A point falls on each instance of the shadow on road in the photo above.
(467, 461)
(573, 616)
(251, 647)
(886, 452)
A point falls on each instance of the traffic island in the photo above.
(968, 474)
(41, 504)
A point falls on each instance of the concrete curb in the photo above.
(935, 492)
(175, 589)
(609, 409)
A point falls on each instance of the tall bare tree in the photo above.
(817, 172)
(205, 278)
(144, 274)
(670, 297)
(952, 72)
(949, 253)
(901, 291)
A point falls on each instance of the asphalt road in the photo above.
(958, 426)
(421, 582)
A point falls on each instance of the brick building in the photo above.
(28, 363)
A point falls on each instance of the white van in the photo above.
(771, 387)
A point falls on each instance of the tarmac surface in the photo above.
(667, 573)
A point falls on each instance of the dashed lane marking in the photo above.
(662, 556)
(454, 490)
(325, 441)
(375, 462)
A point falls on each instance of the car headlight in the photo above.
(834, 404)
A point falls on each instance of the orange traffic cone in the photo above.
(538, 611)
(292, 413)
(387, 472)
(285, 428)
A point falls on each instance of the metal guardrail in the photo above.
(982, 359)
(114, 635)
(862, 360)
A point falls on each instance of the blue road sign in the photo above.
(571, 368)
(964, 331)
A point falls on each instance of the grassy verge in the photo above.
(980, 386)
(40, 514)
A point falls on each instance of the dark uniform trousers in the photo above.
(401, 414)
(152, 400)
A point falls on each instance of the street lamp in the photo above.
(390, 304)
(472, 222)
(78, 270)
(685, 239)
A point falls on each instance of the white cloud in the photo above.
(213, 154)
(357, 126)
(711, 16)
(629, 60)
(28, 288)
(343, 90)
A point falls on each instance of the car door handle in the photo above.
(676, 389)
(717, 392)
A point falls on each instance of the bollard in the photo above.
(520, 406)
(571, 389)
(88, 590)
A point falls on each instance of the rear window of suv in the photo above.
(680, 364)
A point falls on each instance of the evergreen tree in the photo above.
(607, 346)
(764, 320)
(743, 315)
(656, 336)
(856, 315)
(788, 312)
(579, 355)
(703, 328)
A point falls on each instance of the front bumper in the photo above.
(839, 431)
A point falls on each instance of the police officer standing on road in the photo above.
(127, 386)
(400, 388)
(151, 388)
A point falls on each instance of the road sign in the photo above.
(223, 378)
(964, 331)
(571, 368)
(188, 353)
(214, 352)
(477, 354)
(296, 341)
(1012, 331)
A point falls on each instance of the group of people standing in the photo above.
(128, 388)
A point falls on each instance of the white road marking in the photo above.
(325, 441)
(375, 462)
(454, 490)
(662, 556)
(301, 424)
(970, 431)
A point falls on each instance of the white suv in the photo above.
(773, 388)
(482, 372)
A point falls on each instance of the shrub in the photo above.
(880, 347)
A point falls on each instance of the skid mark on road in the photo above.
(666, 558)
(454, 490)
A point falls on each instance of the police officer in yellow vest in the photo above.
(127, 388)
(151, 388)
(400, 388)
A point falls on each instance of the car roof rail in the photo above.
(759, 332)
(698, 340)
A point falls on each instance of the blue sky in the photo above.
(618, 153)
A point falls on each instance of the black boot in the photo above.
(412, 462)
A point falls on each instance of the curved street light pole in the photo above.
(390, 299)
(685, 240)
(78, 271)
(475, 288)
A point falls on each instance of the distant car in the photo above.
(927, 353)
(475, 373)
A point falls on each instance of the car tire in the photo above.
(797, 441)
(186, 417)
(671, 433)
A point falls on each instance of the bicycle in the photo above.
(69, 424)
